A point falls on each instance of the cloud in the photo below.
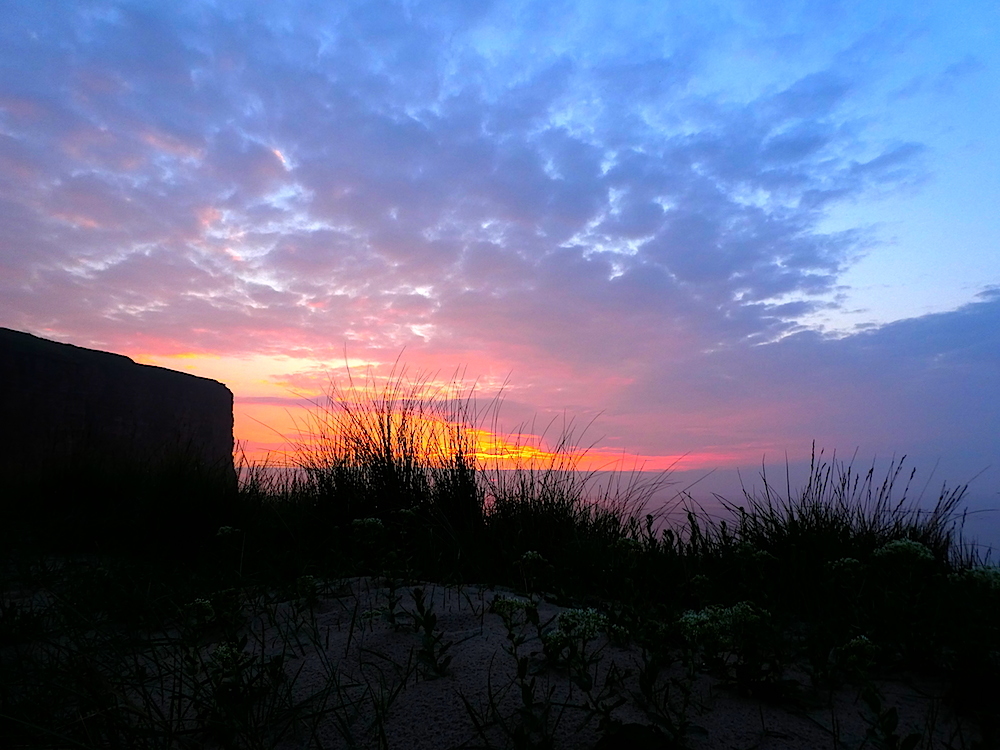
(919, 386)
(588, 208)
(404, 170)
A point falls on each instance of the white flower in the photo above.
(986, 576)
(902, 549)
(584, 624)
(226, 656)
(845, 566)
(201, 610)
(720, 623)
(506, 606)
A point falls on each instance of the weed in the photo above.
(567, 646)
(666, 701)
(138, 648)
(882, 723)
(737, 642)
(433, 654)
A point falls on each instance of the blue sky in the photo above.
(728, 228)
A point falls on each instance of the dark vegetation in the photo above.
(847, 578)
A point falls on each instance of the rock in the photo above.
(65, 405)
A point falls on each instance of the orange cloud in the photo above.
(208, 215)
(284, 435)
(276, 416)
(169, 144)
(77, 220)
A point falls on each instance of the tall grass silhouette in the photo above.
(403, 480)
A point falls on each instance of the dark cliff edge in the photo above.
(84, 431)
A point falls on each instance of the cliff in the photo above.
(62, 404)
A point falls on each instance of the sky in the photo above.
(706, 234)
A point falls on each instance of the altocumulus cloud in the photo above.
(564, 190)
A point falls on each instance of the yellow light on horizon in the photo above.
(272, 431)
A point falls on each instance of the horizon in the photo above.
(707, 236)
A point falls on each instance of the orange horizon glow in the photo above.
(274, 433)
(266, 433)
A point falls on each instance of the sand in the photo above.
(405, 703)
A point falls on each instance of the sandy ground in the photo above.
(389, 697)
(353, 658)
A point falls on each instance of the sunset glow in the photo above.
(275, 416)
(697, 235)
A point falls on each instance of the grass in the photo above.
(188, 624)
